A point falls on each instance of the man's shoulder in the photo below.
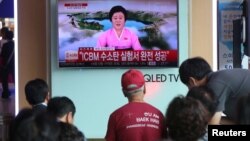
(39, 108)
(136, 105)
(231, 71)
(153, 107)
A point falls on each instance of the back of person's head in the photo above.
(36, 91)
(39, 127)
(9, 35)
(116, 9)
(243, 109)
(132, 82)
(3, 32)
(196, 67)
(70, 132)
(206, 96)
(186, 119)
(61, 106)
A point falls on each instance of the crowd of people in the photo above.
(47, 119)
(210, 95)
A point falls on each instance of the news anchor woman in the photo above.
(118, 36)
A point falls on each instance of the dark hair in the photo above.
(9, 35)
(206, 96)
(243, 109)
(186, 119)
(196, 67)
(70, 132)
(59, 106)
(39, 127)
(3, 31)
(36, 91)
(116, 9)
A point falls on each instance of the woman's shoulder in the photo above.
(108, 32)
(129, 31)
(125, 29)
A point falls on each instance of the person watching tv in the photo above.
(63, 108)
(228, 86)
(37, 94)
(136, 120)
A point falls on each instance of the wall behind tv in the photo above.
(97, 92)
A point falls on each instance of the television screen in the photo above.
(118, 33)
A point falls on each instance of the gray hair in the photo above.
(130, 93)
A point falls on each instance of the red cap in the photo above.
(132, 79)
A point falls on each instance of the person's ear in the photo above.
(47, 98)
(144, 89)
(124, 93)
(69, 118)
(191, 82)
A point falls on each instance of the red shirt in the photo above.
(136, 122)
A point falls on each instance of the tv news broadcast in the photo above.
(117, 33)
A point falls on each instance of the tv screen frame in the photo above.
(81, 22)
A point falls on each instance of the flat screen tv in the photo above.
(82, 22)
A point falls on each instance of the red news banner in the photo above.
(100, 57)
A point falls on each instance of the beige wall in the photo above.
(200, 31)
(32, 55)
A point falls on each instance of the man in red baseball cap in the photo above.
(136, 120)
